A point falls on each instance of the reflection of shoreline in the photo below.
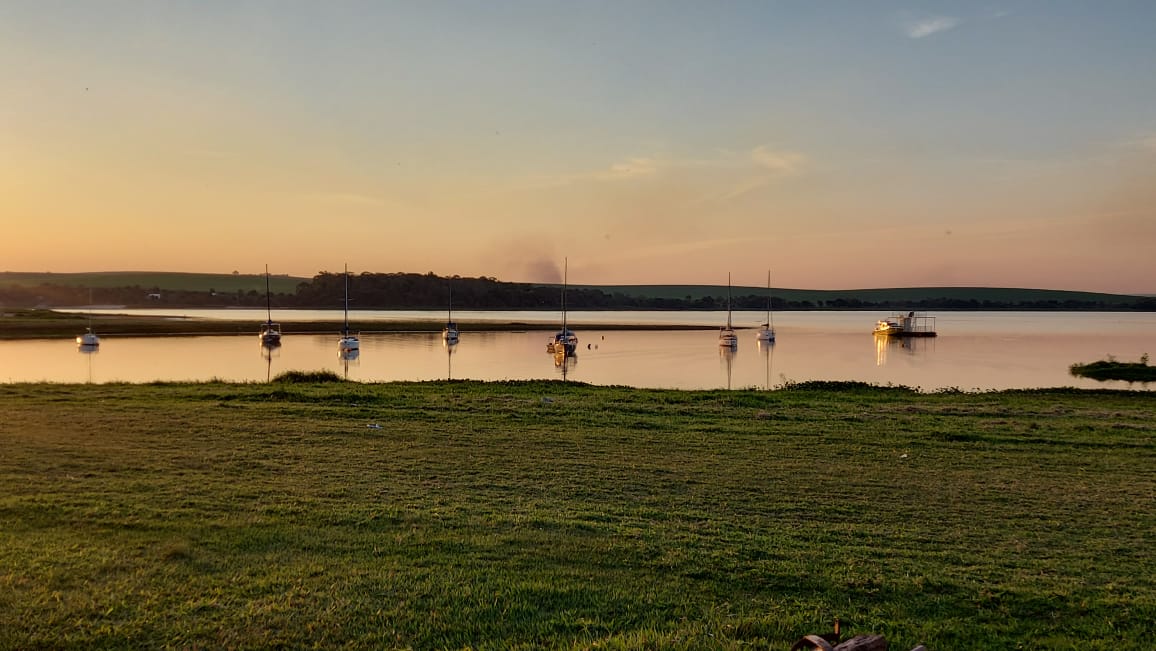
(910, 345)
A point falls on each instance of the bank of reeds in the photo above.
(1110, 369)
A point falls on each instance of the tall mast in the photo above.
(345, 330)
(268, 304)
(565, 273)
(770, 301)
(728, 299)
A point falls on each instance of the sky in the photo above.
(838, 145)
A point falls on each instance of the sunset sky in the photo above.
(842, 144)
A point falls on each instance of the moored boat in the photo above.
(88, 341)
(348, 342)
(726, 334)
(565, 342)
(450, 332)
(270, 333)
(766, 333)
(906, 325)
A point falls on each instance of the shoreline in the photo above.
(45, 324)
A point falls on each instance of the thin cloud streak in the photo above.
(929, 26)
(345, 198)
(779, 162)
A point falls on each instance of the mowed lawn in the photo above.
(535, 515)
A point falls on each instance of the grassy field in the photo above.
(561, 516)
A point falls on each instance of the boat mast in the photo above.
(770, 318)
(728, 300)
(345, 329)
(268, 303)
(565, 272)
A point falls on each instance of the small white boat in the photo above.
(450, 333)
(766, 333)
(270, 333)
(348, 342)
(88, 341)
(726, 334)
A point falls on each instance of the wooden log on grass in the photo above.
(857, 643)
(863, 643)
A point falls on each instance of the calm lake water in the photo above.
(974, 350)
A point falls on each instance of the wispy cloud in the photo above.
(633, 168)
(735, 172)
(344, 198)
(927, 26)
(765, 165)
(1147, 143)
(778, 161)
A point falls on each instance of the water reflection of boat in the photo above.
(909, 345)
(766, 332)
(906, 325)
(564, 363)
(451, 348)
(348, 356)
(727, 353)
(268, 352)
(270, 332)
(726, 335)
(767, 348)
(89, 352)
(348, 342)
(565, 342)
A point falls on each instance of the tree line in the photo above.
(430, 292)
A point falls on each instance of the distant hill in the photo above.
(428, 291)
(162, 280)
(891, 295)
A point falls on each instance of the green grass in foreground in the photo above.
(548, 515)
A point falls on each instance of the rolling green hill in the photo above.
(164, 280)
(424, 290)
(820, 296)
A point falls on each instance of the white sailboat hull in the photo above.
(88, 339)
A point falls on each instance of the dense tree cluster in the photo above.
(428, 291)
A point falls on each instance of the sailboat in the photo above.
(766, 332)
(726, 334)
(348, 342)
(565, 342)
(270, 332)
(450, 333)
(88, 342)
